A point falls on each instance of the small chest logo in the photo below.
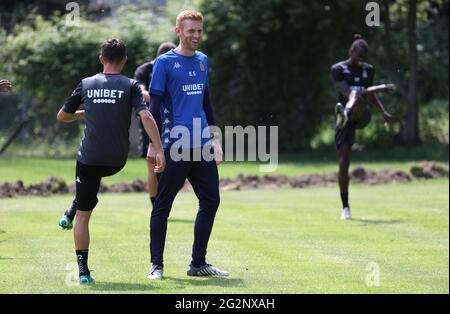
(177, 65)
(357, 79)
(202, 66)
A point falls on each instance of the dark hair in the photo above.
(165, 47)
(113, 50)
(359, 43)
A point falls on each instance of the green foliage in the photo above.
(46, 58)
(176, 6)
(434, 122)
(432, 47)
(270, 61)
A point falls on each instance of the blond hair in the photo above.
(189, 15)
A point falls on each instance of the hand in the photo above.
(5, 86)
(387, 119)
(151, 154)
(160, 161)
(218, 153)
(389, 88)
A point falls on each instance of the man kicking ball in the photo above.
(108, 100)
(353, 79)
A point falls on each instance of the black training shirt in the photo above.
(357, 78)
(108, 100)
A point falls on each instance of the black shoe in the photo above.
(206, 270)
(65, 223)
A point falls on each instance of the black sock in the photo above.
(344, 198)
(152, 200)
(198, 262)
(82, 259)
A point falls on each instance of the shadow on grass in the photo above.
(120, 286)
(183, 221)
(2, 231)
(181, 283)
(207, 281)
(377, 221)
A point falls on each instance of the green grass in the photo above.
(32, 170)
(283, 241)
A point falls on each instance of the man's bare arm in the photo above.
(384, 88)
(63, 116)
(152, 130)
(145, 93)
(375, 101)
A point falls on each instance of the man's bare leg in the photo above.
(81, 239)
(344, 156)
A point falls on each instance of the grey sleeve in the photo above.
(137, 100)
(74, 101)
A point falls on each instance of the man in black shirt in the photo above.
(353, 79)
(108, 100)
(143, 74)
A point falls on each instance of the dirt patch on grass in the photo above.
(425, 170)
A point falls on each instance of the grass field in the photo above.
(32, 170)
(283, 241)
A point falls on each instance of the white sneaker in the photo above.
(346, 214)
(155, 272)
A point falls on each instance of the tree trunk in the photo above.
(410, 133)
(390, 55)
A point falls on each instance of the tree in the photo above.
(14, 12)
(394, 52)
(47, 58)
(271, 60)
(410, 133)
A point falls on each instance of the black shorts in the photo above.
(345, 135)
(88, 183)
